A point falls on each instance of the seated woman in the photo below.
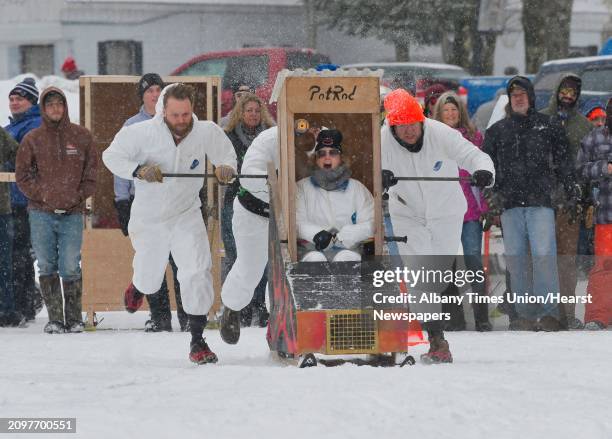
(334, 213)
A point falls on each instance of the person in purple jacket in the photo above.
(451, 110)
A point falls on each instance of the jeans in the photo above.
(532, 229)
(471, 239)
(7, 296)
(57, 243)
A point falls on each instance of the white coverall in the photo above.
(251, 230)
(166, 217)
(430, 213)
(350, 212)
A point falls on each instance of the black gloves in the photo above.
(322, 239)
(388, 179)
(123, 212)
(482, 178)
(574, 205)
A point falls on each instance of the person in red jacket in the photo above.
(56, 171)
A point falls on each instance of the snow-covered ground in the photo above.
(130, 384)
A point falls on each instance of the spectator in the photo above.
(334, 213)
(8, 314)
(483, 115)
(238, 90)
(70, 70)
(522, 146)
(248, 118)
(597, 116)
(166, 216)
(429, 214)
(56, 170)
(595, 166)
(25, 116)
(562, 108)
(432, 93)
(149, 88)
(451, 111)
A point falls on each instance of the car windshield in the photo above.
(597, 80)
(547, 81)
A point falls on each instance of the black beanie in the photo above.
(329, 139)
(26, 89)
(148, 80)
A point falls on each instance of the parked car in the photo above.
(256, 67)
(595, 67)
(425, 74)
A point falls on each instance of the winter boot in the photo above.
(229, 326)
(161, 316)
(522, 324)
(199, 352)
(574, 324)
(481, 317)
(54, 327)
(549, 324)
(261, 315)
(439, 351)
(51, 291)
(594, 326)
(246, 316)
(132, 299)
(73, 293)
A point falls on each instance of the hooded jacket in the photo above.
(576, 125)
(20, 125)
(522, 148)
(56, 164)
(8, 150)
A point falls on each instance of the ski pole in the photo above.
(433, 178)
(214, 176)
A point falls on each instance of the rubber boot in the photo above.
(51, 291)
(159, 304)
(73, 293)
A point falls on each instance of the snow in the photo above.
(130, 384)
(69, 87)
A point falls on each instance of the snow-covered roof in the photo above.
(425, 65)
(578, 60)
(312, 73)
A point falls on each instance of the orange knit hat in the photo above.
(596, 113)
(402, 108)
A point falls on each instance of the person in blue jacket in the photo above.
(25, 116)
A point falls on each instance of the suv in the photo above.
(256, 67)
(425, 74)
(594, 71)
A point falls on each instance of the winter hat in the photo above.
(571, 82)
(69, 65)
(402, 108)
(329, 139)
(26, 89)
(433, 93)
(149, 80)
(525, 84)
(596, 113)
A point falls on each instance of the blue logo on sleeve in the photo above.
(194, 164)
(438, 165)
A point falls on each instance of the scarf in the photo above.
(246, 135)
(331, 179)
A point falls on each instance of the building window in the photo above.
(120, 58)
(37, 59)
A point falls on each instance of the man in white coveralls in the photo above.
(429, 213)
(250, 225)
(165, 215)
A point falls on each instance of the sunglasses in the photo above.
(568, 91)
(329, 152)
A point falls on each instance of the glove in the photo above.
(225, 174)
(482, 178)
(573, 206)
(322, 239)
(150, 173)
(489, 220)
(495, 201)
(123, 212)
(388, 179)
